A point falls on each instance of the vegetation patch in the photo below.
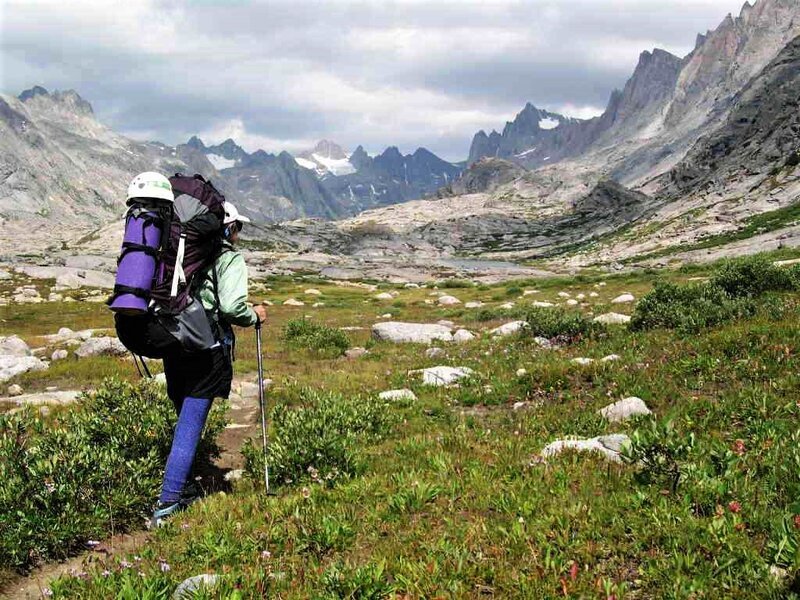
(320, 440)
(560, 324)
(316, 337)
(86, 473)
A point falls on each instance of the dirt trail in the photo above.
(243, 417)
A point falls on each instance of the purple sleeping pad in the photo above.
(136, 268)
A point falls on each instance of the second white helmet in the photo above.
(232, 215)
(151, 185)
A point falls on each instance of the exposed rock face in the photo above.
(761, 134)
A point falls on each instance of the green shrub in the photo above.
(514, 291)
(450, 284)
(368, 582)
(688, 308)
(659, 452)
(494, 314)
(320, 440)
(752, 276)
(565, 325)
(88, 470)
(319, 338)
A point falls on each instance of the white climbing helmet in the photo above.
(150, 185)
(232, 215)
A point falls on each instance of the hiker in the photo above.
(194, 379)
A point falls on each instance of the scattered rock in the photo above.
(507, 306)
(580, 296)
(384, 296)
(612, 318)
(188, 588)
(415, 333)
(385, 316)
(318, 305)
(266, 303)
(473, 305)
(434, 352)
(594, 295)
(411, 286)
(623, 299)
(564, 295)
(59, 355)
(54, 297)
(540, 304)
(610, 358)
(522, 372)
(102, 346)
(624, 410)
(13, 345)
(519, 405)
(509, 328)
(441, 376)
(312, 292)
(403, 394)
(543, 342)
(448, 301)
(355, 352)
(11, 366)
(15, 390)
(293, 302)
(609, 446)
(530, 292)
(572, 302)
(462, 336)
(584, 362)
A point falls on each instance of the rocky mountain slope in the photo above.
(728, 93)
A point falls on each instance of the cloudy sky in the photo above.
(281, 74)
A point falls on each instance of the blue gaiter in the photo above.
(190, 425)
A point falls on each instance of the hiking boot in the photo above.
(192, 492)
(162, 512)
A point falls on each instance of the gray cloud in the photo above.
(280, 74)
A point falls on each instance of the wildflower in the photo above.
(125, 564)
(164, 566)
(106, 573)
(521, 520)
(185, 526)
(47, 592)
(265, 554)
(92, 543)
(306, 493)
(50, 487)
(573, 571)
(141, 574)
(739, 447)
(734, 506)
(137, 559)
(796, 521)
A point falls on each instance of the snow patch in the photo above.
(549, 123)
(220, 162)
(521, 154)
(341, 166)
(305, 163)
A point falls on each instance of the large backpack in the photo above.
(172, 318)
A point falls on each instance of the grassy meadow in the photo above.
(448, 496)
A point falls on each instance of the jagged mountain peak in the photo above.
(36, 90)
(328, 149)
(196, 143)
(67, 100)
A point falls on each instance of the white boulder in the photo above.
(610, 358)
(59, 355)
(294, 302)
(623, 299)
(624, 410)
(462, 336)
(101, 346)
(473, 305)
(509, 328)
(384, 296)
(610, 446)
(414, 333)
(584, 362)
(312, 292)
(612, 318)
(540, 304)
(448, 301)
(13, 345)
(11, 366)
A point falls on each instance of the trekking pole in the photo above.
(261, 404)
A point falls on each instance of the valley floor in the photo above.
(454, 497)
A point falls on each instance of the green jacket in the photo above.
(231, 288)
